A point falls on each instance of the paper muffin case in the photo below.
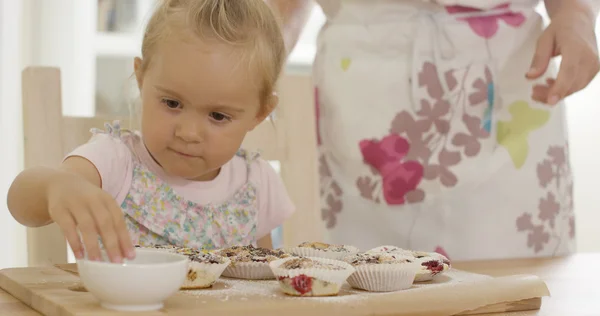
(203, 275)
(384, 277)
(249, 271)
(424, 276)
(330, 280)
(318, 253)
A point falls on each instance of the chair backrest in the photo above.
(290, 140)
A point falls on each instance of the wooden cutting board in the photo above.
(58, 292)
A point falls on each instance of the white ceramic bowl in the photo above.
(142, 284)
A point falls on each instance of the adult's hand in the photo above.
(571, 35)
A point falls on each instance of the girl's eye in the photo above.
(172, 104)
(219, 117)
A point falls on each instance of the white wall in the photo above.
(12, 235)
(63, 36)
(39, 32)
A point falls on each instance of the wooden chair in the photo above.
(291, 140)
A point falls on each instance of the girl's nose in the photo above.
(189, 130)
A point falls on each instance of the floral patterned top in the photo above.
(244, 203)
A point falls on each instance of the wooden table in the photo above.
(573, 284)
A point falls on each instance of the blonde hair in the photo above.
(249, 24)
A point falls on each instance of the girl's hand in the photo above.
(571, 35)
(75, 203)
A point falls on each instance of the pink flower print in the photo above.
(555, 208)
(470, 141)
(524, 222)
(442, 170)
(482, 87)
(545, 173)
(330, 210)
(549, 209)
(450, 79)
(433, 115)
(572, 227)
(367, 186)
(486, 26)
(317, 115)
(404, 123)
(537, 238)
(380, 154)
(557, 155)
(441, 251)
(399, 177)
(428, 77)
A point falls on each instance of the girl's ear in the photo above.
(137, 68)
(266, 109)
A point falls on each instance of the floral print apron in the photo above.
(155, 214)
(428, 138)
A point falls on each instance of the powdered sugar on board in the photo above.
(233, 290)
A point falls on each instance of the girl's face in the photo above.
(198, 103)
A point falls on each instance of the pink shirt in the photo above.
(114, 161)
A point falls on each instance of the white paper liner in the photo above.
(206, 274)
(423, 276)
(327, 275)
(249, 271)
(318, 253)
(384, 277)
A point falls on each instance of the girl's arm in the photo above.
(294, 14)
(28, 194)
(72, 197)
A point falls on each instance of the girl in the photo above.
(206, 78)
(462, 145)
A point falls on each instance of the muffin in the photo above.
(169, 248)
(382, 272)
(186, 251)
(432, 263)
(251, 263)
(390, 249)
(205, 269)
(305, 276)
(323, 250)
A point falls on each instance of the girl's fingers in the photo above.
(106, 226)
(89, 234)
(69, 228)
(122, 233)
